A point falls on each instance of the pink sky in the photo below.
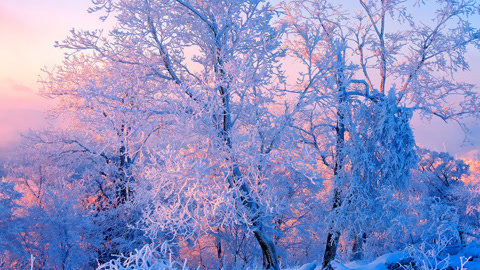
(28, 30)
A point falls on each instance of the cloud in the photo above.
(10, 86)
(20, 109)
(14, 94)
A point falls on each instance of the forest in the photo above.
(250, 134)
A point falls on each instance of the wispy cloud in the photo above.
(20, 109)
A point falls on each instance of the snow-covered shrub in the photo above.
(441, 255)
(428, 256)
(145, 259)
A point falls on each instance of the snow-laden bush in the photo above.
(441, 255)
(145, 259)
(431, 256)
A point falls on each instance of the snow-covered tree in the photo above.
(383, 61)
(108, 114)
(8, 224)
(50, 222)
(216, 64)
(443, 174)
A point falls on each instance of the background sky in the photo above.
(29, 28)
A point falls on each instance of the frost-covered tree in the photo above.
(216, 64)
(112, 109)
(50, 222)
(443, 174)
(439, 183)
(378, 57)
(9, 227)
(471, 201)
(108, 115)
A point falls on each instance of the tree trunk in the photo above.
(218, 245)
(332, 237)
(330, 249)
(357, 247)
(270, 258)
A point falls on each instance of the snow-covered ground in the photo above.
(463, 259)
(467, 258)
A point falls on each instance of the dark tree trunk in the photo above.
(269, 253)
(218, 245)
(333, 235)
(270, 258)
(330, 249)
(224, 126)
(357, 247)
